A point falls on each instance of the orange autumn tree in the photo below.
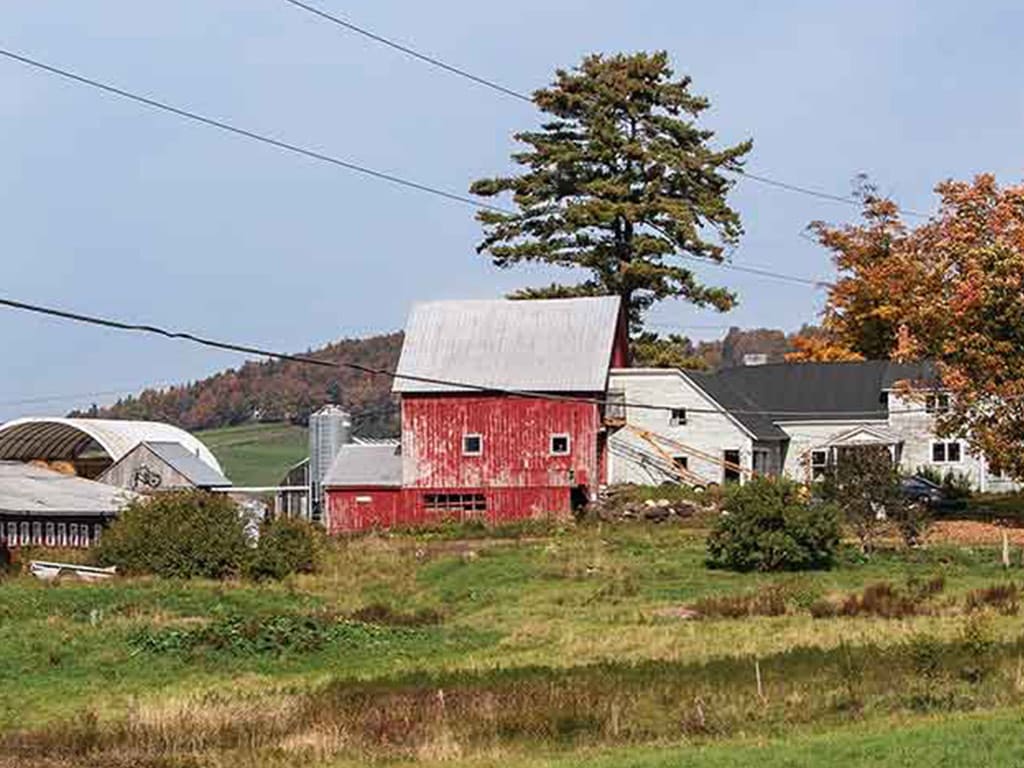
(950, 290)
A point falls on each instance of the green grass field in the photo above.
(542, 646)
(257, 454)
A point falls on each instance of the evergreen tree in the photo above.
(620, 182)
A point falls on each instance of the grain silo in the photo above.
(329, 429)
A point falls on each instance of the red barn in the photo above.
(467, 453)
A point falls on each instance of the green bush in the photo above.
(177, 534)
(770, 525)
(286, 546)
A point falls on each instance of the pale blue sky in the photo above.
(112, 209)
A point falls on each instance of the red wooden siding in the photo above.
(393, 507)
(360, 509)
(516, 442)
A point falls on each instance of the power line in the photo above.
(394, 375)
(234, 129)
(411, 52)
(506, 91)
(316, 155)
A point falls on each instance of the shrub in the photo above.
(769, 524)
(177, 534)
(286, 546)
(768, 601)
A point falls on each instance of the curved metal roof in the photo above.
(66, 439)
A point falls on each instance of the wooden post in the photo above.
(1006, 549)
(757, 676)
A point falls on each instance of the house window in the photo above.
(760, 465)
(459, 503)
(936, 403)
(731, 466)
(12, 534)
(819, 463)
(26, 537)
(83, 535)
(73, 535)
(50, 534)
(946, 452)
(62, 535)
(37, 533)
(677, 417)
(472, 445)
(559, 445)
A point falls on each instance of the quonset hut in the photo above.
(469, 447)
(49, 467)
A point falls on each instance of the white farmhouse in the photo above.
(785, 418)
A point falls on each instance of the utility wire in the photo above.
(411, 52)
(434, 62)
(316, 155)
(238, 131)
(394, 375)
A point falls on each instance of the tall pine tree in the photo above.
(621, 183)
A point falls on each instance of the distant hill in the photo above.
(277, 391)
(284, 392)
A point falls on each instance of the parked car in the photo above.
(922, 491)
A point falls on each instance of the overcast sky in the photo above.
(110, 208)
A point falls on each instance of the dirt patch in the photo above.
(973, 532)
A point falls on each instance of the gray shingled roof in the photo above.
(550, 345)
(26, 489)
(808, 391)
(366, 465)
(198, 472)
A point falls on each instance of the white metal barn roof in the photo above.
(378, 464)
(29, 490)
(64, 439)
(548, 345)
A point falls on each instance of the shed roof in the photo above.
(198, 472)
(26, 489)
(366, 465)
(548, 345)
(57, 438)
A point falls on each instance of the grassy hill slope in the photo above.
(257, 454)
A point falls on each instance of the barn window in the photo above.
(364, 499)
(26, 537)
(97, 531)
(455, 502)
(946, 452)
(682, 461)
(560, 445)
(677, 417)
(472, 444)
(37, 533)
(50, 533)
(12, 534)
(83, 535)
(936, 403)
(73, 535)
(62, 535)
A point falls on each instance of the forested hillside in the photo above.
(284, 391)
(277, 390)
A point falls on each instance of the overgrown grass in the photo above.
(399, 617)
